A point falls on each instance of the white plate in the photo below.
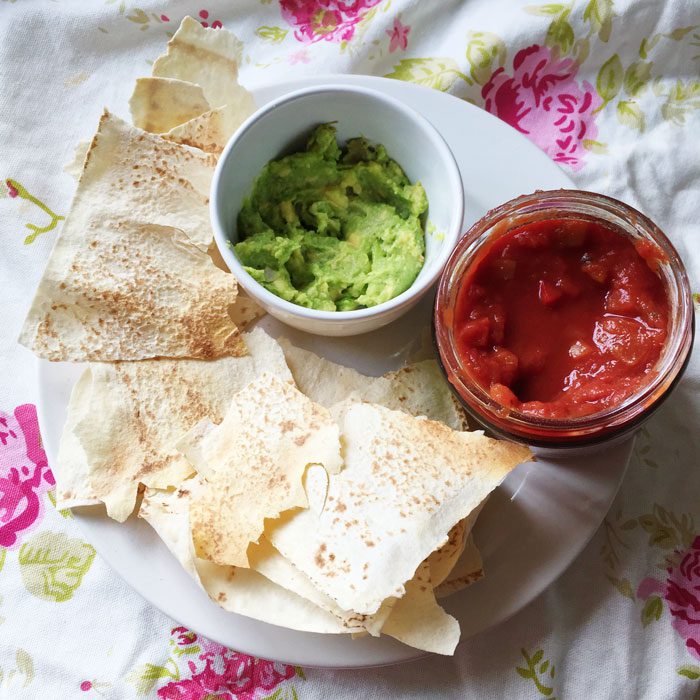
(532, 528)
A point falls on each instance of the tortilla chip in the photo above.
(121, 433)
(129, 277)
(71, 472)
(467, 570)
(245, 311)
(266, 560)
(405, 484)
(443, 560)
(241, 591)
(269, 436)
(75, 167)
(206, 57)
(428, 626)
(418, 389)
(160, 104)
(211, 131)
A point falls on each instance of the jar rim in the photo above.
(613, 419)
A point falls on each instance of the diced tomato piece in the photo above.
(475, 333)
(568, 286)
(548, 293)
(532, 360)
(572, 233)
(505, 365)
(580, 350)
(619, 301)
(503, 395)
(596, 270)
(504, 268)
(498, 326)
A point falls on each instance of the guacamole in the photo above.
(333, 228)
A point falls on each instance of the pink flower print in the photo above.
(11, 189)
(24, 474)
(682, 593)
(327, 20)
(683, 597)
(398, 36)
(204, 17)
(219, 672)
(183, 636)
(543, 100)
(301, 56)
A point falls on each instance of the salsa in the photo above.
(562, 318)
(333, 228)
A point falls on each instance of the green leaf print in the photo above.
(647, 45)
(637, 77)
(146, 676)
(666, 530)
(581, 49)
(682, 98)
(3, 554)
(599, 14)
(483, 48)
(652, 610)
(19, 677)
(15, 189)
(630, 114)
(679, 33)
(25, 666)
(623, 585)
(53, 565)
(273, 35)
(138, 16)
(65, 512)
(437, 73)
(595, 146)
(546, 10)
(690, 671)
(533, 673)
(609, 80)
(561, 35)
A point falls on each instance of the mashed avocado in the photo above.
(331, 228)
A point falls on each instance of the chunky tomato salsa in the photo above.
(562, 318)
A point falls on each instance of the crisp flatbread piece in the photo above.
(418, 389)
(443, 560)
(211, 131)
(241, 591)
(468, 569)
(406, 482)
(160, 104)
(124, 419)
(71, 472)
(247, 592)
(206, 57)
(251, 466)
(129, 277)
(428, 626)
(266, 560)
(75, 167)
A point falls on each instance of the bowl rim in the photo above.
(451, 235)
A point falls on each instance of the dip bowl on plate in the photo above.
(281, 128)
(563, 320)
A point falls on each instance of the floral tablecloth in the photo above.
(610, 89)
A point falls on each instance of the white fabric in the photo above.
(69, 627)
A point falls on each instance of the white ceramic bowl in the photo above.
(281, 127)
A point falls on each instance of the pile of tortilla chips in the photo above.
(293, 490)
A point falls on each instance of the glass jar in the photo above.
(611, 422)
